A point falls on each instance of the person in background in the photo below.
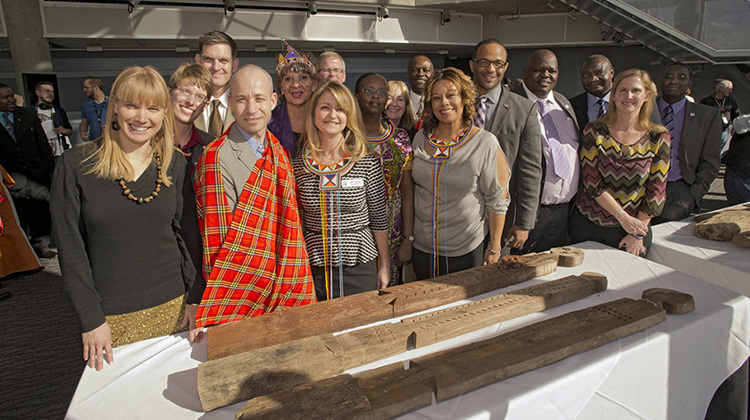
(53, 118)
(342, 198)
(126, 276)
(392, 146)
(94, 110)
(724, 102)
(597, 75)
(331, 67)
(295, 81)
(460, 182)
(694, 132)
(217, 52)
(737, 173)
(419, 72)
(624, 166)
(398, 108)
(189, 87)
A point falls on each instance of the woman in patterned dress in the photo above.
(341, 195)
(393, 148)
(624, 166)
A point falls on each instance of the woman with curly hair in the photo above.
(460, 182)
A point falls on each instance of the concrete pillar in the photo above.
(490, 25)
(28, 48)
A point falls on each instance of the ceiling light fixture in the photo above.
(445, 17)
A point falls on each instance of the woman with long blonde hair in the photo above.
(117, 204)
(342, 198)
(624, 165)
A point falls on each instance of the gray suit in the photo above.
(699, 150)
(236, 160)
(517, 130)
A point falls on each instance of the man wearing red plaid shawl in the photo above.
(254, 257)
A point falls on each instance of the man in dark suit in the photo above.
(597, 75)
(27, 156)
(559, 142)
(514, 121)
(695, 132)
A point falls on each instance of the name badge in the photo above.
(352, 183)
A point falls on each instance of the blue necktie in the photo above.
(668, 119)
(8, 124)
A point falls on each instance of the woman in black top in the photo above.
(117, 205)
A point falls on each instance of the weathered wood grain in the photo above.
(390, 390)
(569, 256)
(674, 302)
(352, 311)
(263, 371)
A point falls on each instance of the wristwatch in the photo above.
(409, 238)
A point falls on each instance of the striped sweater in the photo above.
(635, 175)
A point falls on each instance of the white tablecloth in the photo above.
(668, 371)
(722, 263)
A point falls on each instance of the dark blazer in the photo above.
(700, 147)
(60, 120)
(581, 108)
(517, 130)
(30, 154)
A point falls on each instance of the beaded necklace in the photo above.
(440, 159)
(155, 193)
(330, 221)
(379, 141)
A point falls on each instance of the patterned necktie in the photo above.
(8, 124)
(602, 108)
(420, 109)
(560, 162)
(668, 119)
(481, 107)
(214, 121)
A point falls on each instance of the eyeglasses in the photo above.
(184, 94)
(379, 92)
(330, 70)
(484, 63)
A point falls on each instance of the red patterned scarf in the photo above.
(254, 260)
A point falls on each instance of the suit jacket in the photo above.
(60, 120)
(580, 106)
(517, 130)
(30, 154)
(237, 161)
(228, 120)
(700, 147)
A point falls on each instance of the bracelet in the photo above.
(409, 238)
(636, 236)
(618, 213)
(492, 251)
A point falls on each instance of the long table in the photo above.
(721, 263)
(668, 371)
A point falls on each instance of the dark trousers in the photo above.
(679, 203)
(35, 221)
(422, 262)
(549, 231)
(582, 229)
(737, 188)
(357, 279)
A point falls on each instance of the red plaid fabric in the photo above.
(254, 260)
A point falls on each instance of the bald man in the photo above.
(247, 208)
(597, 75)
(560, 140)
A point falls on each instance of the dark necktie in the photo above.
(214, 121)
(481, 107)
(667, 119)
(602, 108)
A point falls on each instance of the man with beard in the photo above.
(254, 257)
(419, 72)
(217, 52)
(695, 132)
(94, 110)
(514, 121)
(53, 118)
(560, 142)
(597, 75)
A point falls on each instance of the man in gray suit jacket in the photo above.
(559, 142)
(513, 120)
(695, 132)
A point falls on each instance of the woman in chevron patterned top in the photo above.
(624, 166)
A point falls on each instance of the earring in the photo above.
(115, 124)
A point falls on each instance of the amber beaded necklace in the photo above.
(140, 200)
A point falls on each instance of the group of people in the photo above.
(224, 194)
